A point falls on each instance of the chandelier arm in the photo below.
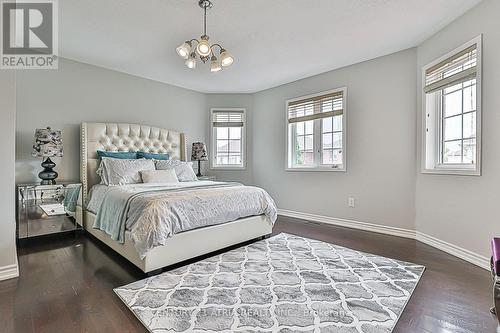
(220, 47)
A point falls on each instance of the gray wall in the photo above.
(381, 144)
(79, 93)
(463, 210)
(7, 194)
(235, 101)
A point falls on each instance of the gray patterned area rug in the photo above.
(282, 284)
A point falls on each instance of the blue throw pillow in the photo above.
(163, 157)
(124, 155)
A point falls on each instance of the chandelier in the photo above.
(203, 48)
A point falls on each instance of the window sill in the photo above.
(316, 169)
(452, 172)
(228, 168)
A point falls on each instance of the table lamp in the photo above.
(199, 153)
(47, 143)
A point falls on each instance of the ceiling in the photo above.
(273, 41)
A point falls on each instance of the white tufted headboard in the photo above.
(124, 137)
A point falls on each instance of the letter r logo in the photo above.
(27, 27)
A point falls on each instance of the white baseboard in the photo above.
(454, 250)
(381, 229)
(9, 272)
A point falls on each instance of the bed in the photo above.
(180, 246)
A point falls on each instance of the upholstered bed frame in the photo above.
(182, 246)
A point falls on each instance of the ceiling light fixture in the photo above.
(203, 48)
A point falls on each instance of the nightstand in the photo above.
(48, 209)
(213, 178)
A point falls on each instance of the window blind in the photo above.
(227, 118)
(456, 69)
(317, 107)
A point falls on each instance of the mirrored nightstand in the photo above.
(48, 209)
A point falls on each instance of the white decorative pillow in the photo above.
(159, 176)
(183, 170)
(115, 171)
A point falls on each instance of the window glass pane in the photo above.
(235, 146)
(300, 128)
(470, 98)
(223, 159)
(452, 152)
(300, 143)
(235, 133)
(337, 140)
(327, 156)
(469, 151)
(327, 141)
(299, 160)
(470, 125)
(308, 158)
(308, 142)
(222, 146)
(452, 103)
(453, 128)
(337, 123)
(337, 156)
(309, 127)
(453, 88)
(234, 159)
(326, 124)
(222, 133)
(331, 156)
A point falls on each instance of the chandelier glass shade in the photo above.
(215, 65)
(190, 49)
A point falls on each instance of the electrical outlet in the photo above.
(350, 202)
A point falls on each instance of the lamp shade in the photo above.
(184, 50)
(47, 143)
(199, 152)
(191, 61)
(225, 58)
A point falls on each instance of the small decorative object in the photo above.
(199, 153)
(201, 47)
(48, 143)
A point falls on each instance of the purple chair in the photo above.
(495, 273)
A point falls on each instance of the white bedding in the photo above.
(154, 212)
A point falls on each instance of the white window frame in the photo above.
(317, 134)
(213, 143)
(432, 164)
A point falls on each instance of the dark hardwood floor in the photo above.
(66, 285)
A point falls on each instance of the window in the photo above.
(452, 112)
(316, 131)
(228, 138)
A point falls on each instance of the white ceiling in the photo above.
(273, 41)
